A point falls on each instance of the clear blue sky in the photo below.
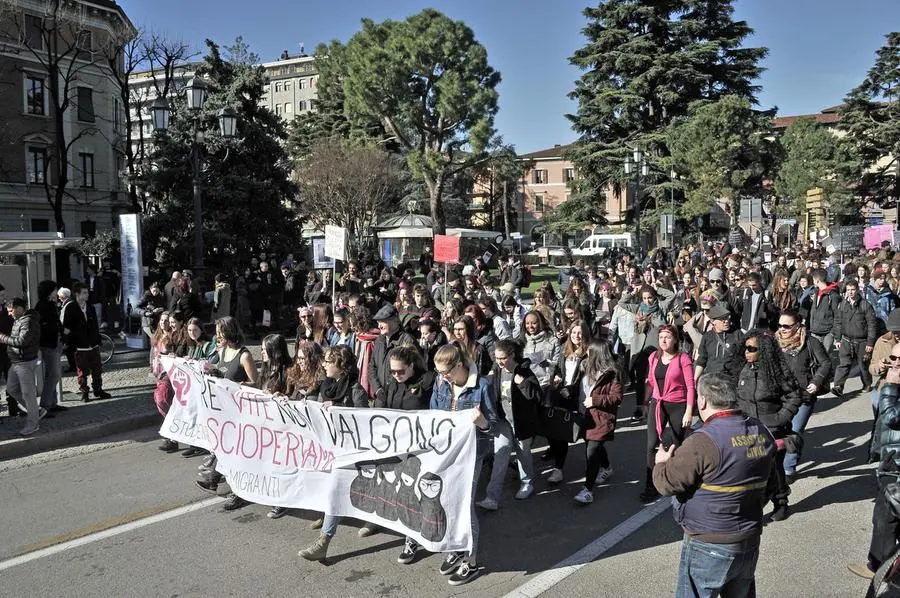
(819, 49)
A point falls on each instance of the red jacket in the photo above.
(606, 396)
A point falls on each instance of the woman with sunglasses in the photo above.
(767, 390)
(670, 386)
(459, 387)
(409, 389)
(339, 388)
(807, 359)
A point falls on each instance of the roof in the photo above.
(829, 116)
(556, 151)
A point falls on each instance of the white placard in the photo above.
(335, 242)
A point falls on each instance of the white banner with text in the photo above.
(409, 471)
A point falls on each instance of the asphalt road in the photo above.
(119, 518)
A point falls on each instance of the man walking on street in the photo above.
(856, 330)
(48, 312)
(23, 348)
(6, 324)
(823, 309)
(81, 327)
(718, 478)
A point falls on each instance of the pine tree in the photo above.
(871, 118)
(648, 63)
(246, 187)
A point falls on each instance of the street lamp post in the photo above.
(672, 175)
(641, 169)
(195, 93)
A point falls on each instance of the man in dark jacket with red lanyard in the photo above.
(81, 327)
(718, 478)
(855, 333)
(823, 310)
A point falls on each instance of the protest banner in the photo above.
(409, 471)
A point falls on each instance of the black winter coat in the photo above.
(84, 333)
(721, 353)
(856, 322)
(810, 364)
(886, 435)
(773, 402)
(343, 392)
(822, 311)
(412, 395)
(23, 341)
(378, 373)
(50, 325)
(526, 399)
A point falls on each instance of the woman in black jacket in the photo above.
(409, 387)
(519, 397)
(807, 359)
(768, 391)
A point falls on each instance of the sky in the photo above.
(818, 49)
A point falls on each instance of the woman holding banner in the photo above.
(233, 362)
(340, 388)
(459, 388)
(306, 374)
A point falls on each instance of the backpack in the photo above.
(526, 276)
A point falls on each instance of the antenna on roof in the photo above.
(302, 49)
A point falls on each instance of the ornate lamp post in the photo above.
(640, 169)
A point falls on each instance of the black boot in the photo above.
(650, 492)
(101, 394)
(85, 396)
(14, 409)
(169, 446)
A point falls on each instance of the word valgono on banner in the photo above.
(446, 249)
(409, 471)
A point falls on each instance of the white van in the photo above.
(599, 244)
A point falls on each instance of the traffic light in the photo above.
(830, 219)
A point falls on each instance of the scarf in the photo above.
(643, 319)
(648, 309)
(791, 341)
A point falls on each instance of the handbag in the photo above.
(561, 424)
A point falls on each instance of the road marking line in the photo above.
(107, 533)
(560, 571)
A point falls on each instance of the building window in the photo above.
(34, 95)
(278, 109)
(291, 69)
(86, 104)
(301, 106)
(539, 203)
(540, 177)
(568, 175)
(86, 41)
(34, 32)
(287, 107)
(40, 225)
(287, 85)
(277, 86)
(36, 166)
(313, 81)
(301, 83)
(86, 161)
(88, 228)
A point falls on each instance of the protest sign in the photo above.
(409, 471)
(446, 249)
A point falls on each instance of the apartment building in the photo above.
(78, 35)
(292, 85)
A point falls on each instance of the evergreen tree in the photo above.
(871, 118)
(246, 186)
(647, 63)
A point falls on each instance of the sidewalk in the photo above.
(131, 407)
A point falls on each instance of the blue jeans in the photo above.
(504, 443)
(726, 570)
(329, 527)
(798, 424)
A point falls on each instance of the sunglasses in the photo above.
(893, 357)
(750, 349)
(398, 372)
(444, 373)
(786, 326)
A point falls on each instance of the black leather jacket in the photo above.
(886, 436)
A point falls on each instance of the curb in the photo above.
(23, 447)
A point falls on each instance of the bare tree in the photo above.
(347, 186)
(59, 39)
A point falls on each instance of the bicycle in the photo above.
(107, 347)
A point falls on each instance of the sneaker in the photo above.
(465, 574)
(605, 473)
(408, 554)
(169, 446)
(556, 476)
(207, 463)
(488, 504)
(317, 524)
(208, 486)
(585, 497)
(525, 490)
(102, 394)
(451, 563)
(234, 502)
(192, 451)
(369, 529)
(29, 430)
(277, 512)
(42, 413)
(837, 391)
(862, 570)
